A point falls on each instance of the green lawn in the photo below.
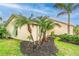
(12, 48)
(67, 49)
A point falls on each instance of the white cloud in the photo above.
(36, 10)
(27, 8)
(11, 5)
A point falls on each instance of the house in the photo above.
(23, 33)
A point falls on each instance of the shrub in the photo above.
(70, 38)
(76, 30)
(3, 32)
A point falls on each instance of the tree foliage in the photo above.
(76, 30)
(66, 8)
(3, 32)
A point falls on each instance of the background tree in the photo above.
(76, 30)
(3, 32)
(66, 8)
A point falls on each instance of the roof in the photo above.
(15, 15)
(11, 18)
(63, 22)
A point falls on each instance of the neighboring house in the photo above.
(22, 33)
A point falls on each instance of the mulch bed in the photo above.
(47, 48)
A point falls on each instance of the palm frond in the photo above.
(60, 6)
(31, 16)
(20, 21)
(75, 7)
(69, 7)
(61, 13)
(57, 24)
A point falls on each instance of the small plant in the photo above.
(70, 38)
(52, 33)
(76, 30)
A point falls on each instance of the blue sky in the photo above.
(39, 9)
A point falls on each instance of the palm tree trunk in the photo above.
(40, 36)
(44, 37)
(30, 31)
(68, 23)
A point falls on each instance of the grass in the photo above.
(66, 49)
(12, 48)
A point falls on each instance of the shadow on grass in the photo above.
(47, 48)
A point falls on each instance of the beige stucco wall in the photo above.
(10, 27)
(61, 30)
(23, 31)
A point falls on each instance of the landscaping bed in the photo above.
(46, 49)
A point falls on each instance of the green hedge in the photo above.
(70, 38)
(3, 33)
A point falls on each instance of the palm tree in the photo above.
(44, 24)
(66, 9)
(22, 20)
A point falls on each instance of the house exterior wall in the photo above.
(23, 31)
(10, 27)
(61, 30)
